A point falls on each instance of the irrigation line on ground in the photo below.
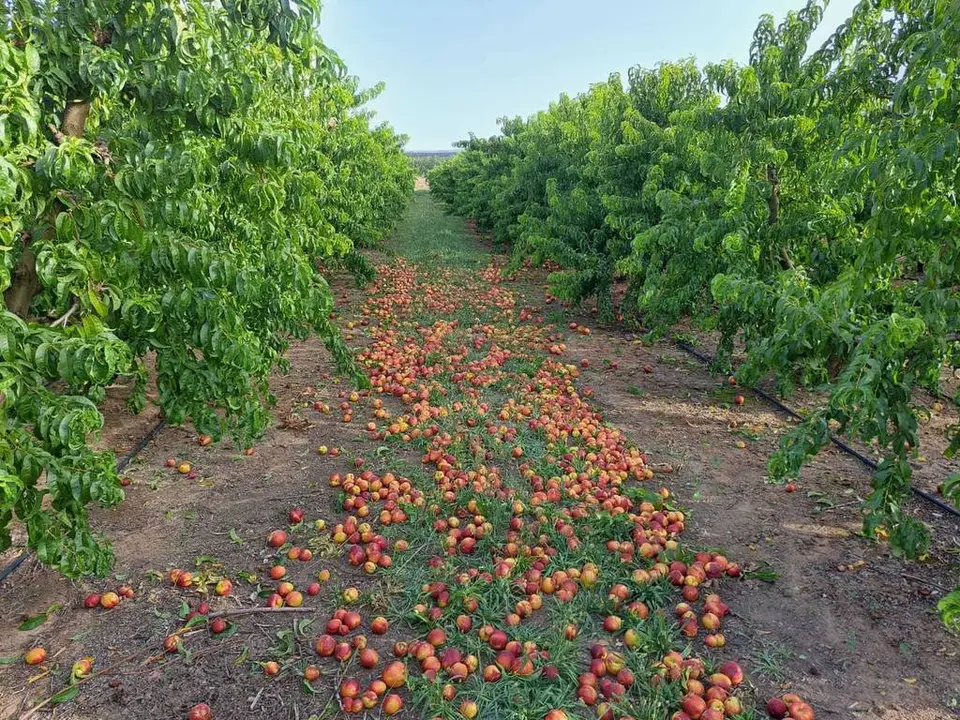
(122, 462)
(707, 360)
(125, 460)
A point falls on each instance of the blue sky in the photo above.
(455, 66)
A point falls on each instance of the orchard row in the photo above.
(800, 208)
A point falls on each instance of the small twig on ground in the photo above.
(252, 611)
(925, 582)
(843, 504)
(33, 711)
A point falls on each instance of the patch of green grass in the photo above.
(429, 237)
(770, 660)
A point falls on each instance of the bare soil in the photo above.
(861, 643)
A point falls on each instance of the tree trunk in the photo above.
(773, 216)
(75, 118)
(24, 283)
(773, 202)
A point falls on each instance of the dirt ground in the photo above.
(859, 643)
(864, 642)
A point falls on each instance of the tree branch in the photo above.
(62, 320)
(25, 283)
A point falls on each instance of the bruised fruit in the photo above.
(732, 707)
(776, 708)
(395, 674)
(200, 711)
(35, 656)
(325, 645)
(368, 658)
(801, 711)
(733, 671)
(491, 673)
(587, 694)
(436, 637)
(82, 667)
(392, 704)
(693, 705)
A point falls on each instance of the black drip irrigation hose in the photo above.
(125, 460)
(122, 462)
(18, 561)
(852, 452)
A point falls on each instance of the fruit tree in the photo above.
(172, 175)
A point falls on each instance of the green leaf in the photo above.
(98, 305)
(231, 630)
(764, 573)
(949, 609)
(242, 656)
(308, 688)
(65, 695)
(32, 622)
(196, 620)
(951, 489)
(36, 621)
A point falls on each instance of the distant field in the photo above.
(425, 161)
